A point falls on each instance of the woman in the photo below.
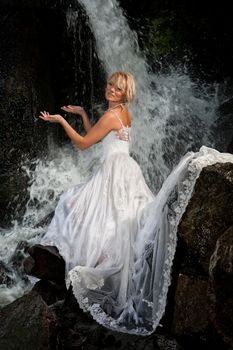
(120, 89)
(116, 252)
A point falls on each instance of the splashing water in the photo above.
(48, 179)
(171, 115)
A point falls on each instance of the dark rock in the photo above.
(49, 291)
(40, 57)
(230, 147)
(202, 304)
(177, 31)
(45, 263)
(5, 275)
(17, 258)
(223, 128)
(28, 324)
(191, 306)
(192, 326)
(45, 221)
(221, 286)
(78, 330)
(207, 216)
(25, 86)
(15, 266)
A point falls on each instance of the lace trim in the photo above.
(193, 166)
(200, 160)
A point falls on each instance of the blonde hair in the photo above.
(126, 82)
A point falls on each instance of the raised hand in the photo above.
(73, 109)
(52, 118)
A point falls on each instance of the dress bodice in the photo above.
(112, 143)
(116, 141)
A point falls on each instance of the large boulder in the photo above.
(202, 305)
(45, 263)
(208, 215)
(221, 286)
(28, 323)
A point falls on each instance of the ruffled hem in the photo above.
(146, 255)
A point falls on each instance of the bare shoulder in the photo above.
(107, 115)
(108, 118)
(125, 116)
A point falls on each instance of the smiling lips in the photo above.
(110, 94)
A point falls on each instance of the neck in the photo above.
(112, 105)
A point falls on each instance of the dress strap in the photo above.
(117, 116)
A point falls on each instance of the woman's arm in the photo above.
(79, 110)
(106, 123)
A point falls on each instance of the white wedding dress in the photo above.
(118, 240)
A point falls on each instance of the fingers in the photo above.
(45, 116)
(67, 108)
(44, 113)
(73, 107)
(50, 117)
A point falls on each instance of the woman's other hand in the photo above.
(73, 109)
(123, 135)
(53, 118)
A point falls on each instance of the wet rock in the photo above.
(78, 330)
(45, 221)
(5, 275)
(221, 286)
(45, 263)
(38, 72)
(230, 147)
(208, 215)
(223, 128)
(192, 325)
(28, 323)
(50, 292)
(191, 305)
(17, 259)
(202, 304)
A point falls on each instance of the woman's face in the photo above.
(113, 93)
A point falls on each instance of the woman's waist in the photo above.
(114, 148)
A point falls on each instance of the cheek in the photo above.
(122, 96)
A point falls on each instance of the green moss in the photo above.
(163, 36)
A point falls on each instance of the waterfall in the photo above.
(171, 115)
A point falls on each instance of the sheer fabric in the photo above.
(118, 240)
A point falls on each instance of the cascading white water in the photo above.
(171, 114)
(62, 168)
(170, 117)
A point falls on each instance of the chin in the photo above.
(109, 98)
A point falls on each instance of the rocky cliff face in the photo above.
(43, 67)
(44, 64)
(199, 312)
